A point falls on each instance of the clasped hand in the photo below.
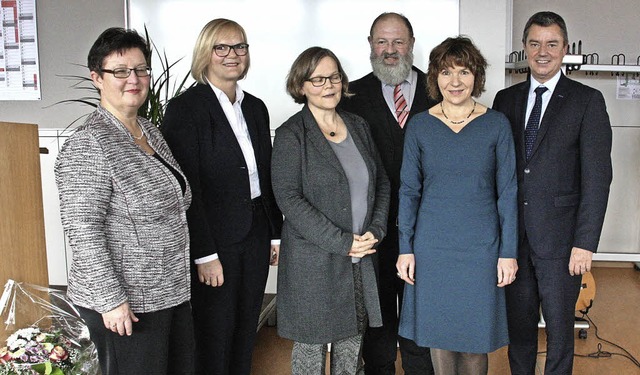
(363, 245)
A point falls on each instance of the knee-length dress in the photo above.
(458, 215)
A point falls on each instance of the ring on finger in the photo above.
(399, 275)
(207, 282)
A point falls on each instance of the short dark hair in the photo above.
(458, 51)
(303, 67)
(546, 19)
(115, 39)
(386, 15)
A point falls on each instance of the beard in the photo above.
(392, 74)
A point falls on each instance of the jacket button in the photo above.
(527, 170)
(526, 203)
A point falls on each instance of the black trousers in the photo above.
(546, 283)
(161, 343)
(226, 317)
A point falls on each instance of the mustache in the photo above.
(395, 55)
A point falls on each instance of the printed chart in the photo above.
(19, 65)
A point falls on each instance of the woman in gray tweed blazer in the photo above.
(330, 184)
(123, 201)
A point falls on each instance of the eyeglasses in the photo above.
(223, 50)
(126, 72)
(398, 43)
(320, 81)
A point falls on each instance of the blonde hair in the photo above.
(203, 49)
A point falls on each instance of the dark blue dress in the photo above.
(458, 215)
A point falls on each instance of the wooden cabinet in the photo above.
(22, 240)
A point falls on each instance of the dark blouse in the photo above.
(178, 176)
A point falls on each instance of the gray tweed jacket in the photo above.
(316, 298)
(125, 216)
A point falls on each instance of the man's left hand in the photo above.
(580, 261)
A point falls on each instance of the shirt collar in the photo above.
(223, 97)
(550, 84)
(410, 80)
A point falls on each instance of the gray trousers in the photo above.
(346, 354)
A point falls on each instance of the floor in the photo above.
(614, 311)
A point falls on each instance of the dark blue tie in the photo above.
(531, 130)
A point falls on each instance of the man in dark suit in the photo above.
(387, 98)
(564, 173)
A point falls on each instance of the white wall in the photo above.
(485, 22)
(278, 31)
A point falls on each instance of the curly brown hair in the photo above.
(458, 51)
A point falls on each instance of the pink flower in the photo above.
(5, 355)
(58, 354)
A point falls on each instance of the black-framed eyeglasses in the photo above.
(126, 72)
(320, 81)
(223, 50)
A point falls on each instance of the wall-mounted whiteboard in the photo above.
(279, 30)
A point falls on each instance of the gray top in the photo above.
(358, 178)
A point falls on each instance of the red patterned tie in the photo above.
(401, 106)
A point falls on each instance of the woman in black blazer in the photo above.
(331, 186)
(220, 136)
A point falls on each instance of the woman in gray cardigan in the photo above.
(329, 182)
(123, 201)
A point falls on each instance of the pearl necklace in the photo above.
(141, 133)
(461, 121)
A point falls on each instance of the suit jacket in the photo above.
(316, 300)
(125, 216)
(206, 148)
(563, 189)
(368, 102)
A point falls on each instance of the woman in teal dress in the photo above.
(458, 217)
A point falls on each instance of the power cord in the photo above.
(601, 353)
(605, 354)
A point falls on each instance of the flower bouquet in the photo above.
(44, 334)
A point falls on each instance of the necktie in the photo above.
(531, 130)
(401, 106)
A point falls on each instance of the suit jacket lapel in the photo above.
(553, 108)
(252, 126)
(379, 105)
(220, 122)
(318, 139)
(521, 111)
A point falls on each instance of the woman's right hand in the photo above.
(210, 273)
(363, 245)
(120, 320)
(406, 266)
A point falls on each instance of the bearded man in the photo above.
(387, 98)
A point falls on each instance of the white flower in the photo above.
(19, 343)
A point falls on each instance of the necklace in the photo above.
(142, 133)
(333, 133)
(461, 121)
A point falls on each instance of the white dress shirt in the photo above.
(546, 96)
(233, 113)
